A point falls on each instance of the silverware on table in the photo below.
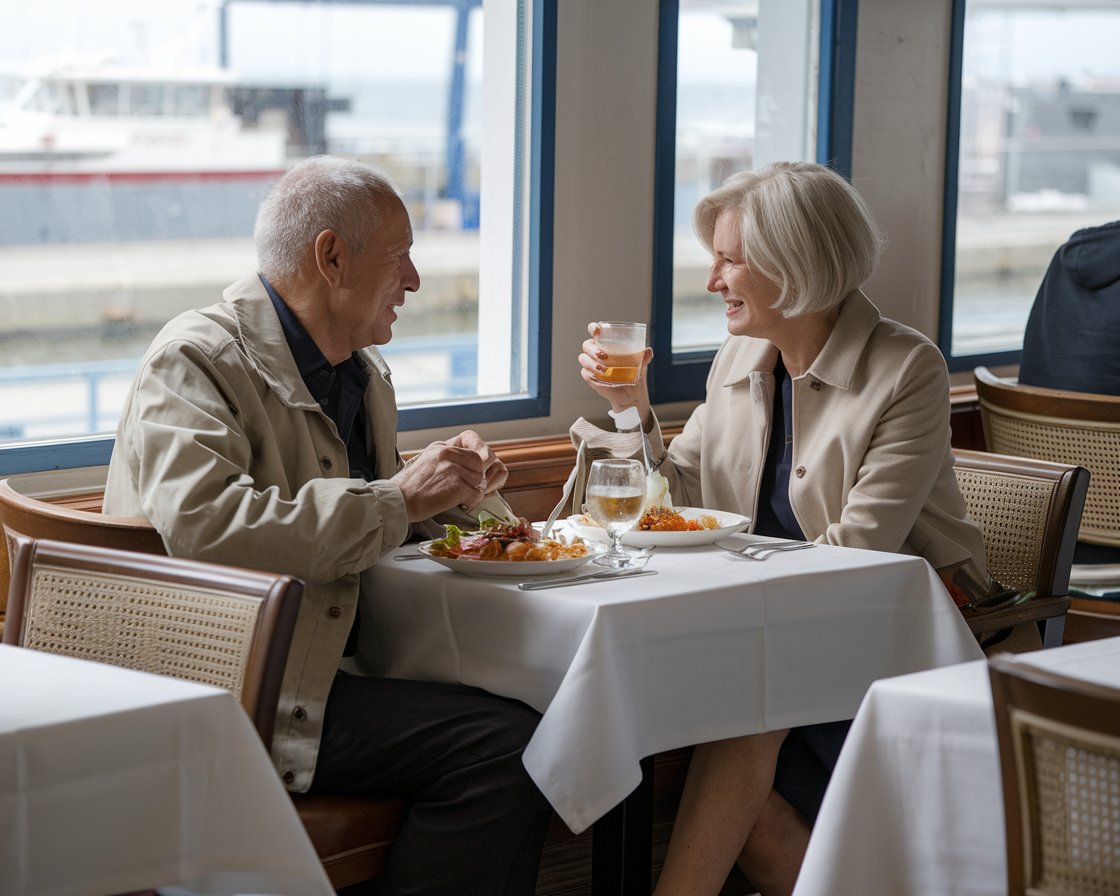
(416, 556)
(760, 550)
(605, 576)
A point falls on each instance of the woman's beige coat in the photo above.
(872, 466)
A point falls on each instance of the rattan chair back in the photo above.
(1065, 427)
(201, 622)
(1028, 511)
(37, 517)
(204, 631)
(1059, 750)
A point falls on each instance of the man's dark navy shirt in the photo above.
(338, 389)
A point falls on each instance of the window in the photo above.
(145, 99)
(738, 90)
(104, 99)
(1034, 153)
(190, 99)
(141, 203)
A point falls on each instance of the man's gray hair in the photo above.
(317, 194)
(803, 227)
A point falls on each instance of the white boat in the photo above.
(83, 116)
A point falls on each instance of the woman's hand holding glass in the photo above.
(597, 369)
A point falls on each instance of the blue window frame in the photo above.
(1031, 155)
(679, 375)
(949, 220)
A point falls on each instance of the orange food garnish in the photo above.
(665, 519)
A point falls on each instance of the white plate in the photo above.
(512, 567)
(729, 523)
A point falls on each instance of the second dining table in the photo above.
(114, 780)
(916, 802)
(713, 646)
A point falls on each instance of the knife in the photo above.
(604, 576)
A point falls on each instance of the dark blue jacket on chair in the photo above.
(1072, 340)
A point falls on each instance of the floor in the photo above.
(566, 862)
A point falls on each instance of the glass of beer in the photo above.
(616, 490)
(625, 344)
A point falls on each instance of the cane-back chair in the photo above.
(351, 834)
(1028, 512)
(1063, 427)
(1059, 751)
(201, 622)
(1073, 428)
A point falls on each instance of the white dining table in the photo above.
(711, 647)
(113, 780)
(915, 804)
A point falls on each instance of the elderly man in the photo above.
(261, 432)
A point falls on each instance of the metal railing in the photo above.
(83, 397)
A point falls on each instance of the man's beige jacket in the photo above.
(223, 449)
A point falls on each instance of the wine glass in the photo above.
(616, 491)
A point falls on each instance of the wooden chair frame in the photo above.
(1062, 427)
(1050, 579)
(1026, 697)
(278, 598)
(351, 834)
(40, 518)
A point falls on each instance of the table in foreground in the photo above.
(915, 804)
(712, 647)
(113, 780)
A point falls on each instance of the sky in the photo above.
(272, 40)
(1078, 46)
(285, 41)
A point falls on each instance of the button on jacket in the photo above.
(224, 450)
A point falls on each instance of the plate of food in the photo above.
(668, 527)
(498, 548)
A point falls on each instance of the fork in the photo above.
(760, 550)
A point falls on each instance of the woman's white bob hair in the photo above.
(803, 227)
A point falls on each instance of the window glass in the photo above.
(145, 99)
(8, 88)
(190, 99)
(104, 99)
(1039, 155)
(745, 96)
(143, 206)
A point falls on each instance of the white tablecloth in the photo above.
(711, 647)
(915, 804)
(113, 780)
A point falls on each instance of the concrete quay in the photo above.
(86, 285)
(99, 285)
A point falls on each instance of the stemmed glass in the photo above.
(616, 490)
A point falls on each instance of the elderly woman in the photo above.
(822, 420)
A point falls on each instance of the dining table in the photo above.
(113, 780)
(714, 645)
(915, 803)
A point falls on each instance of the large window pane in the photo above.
(746, 96)
(135, 198)
(1039, 155)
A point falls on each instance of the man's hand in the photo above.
(460, 471)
